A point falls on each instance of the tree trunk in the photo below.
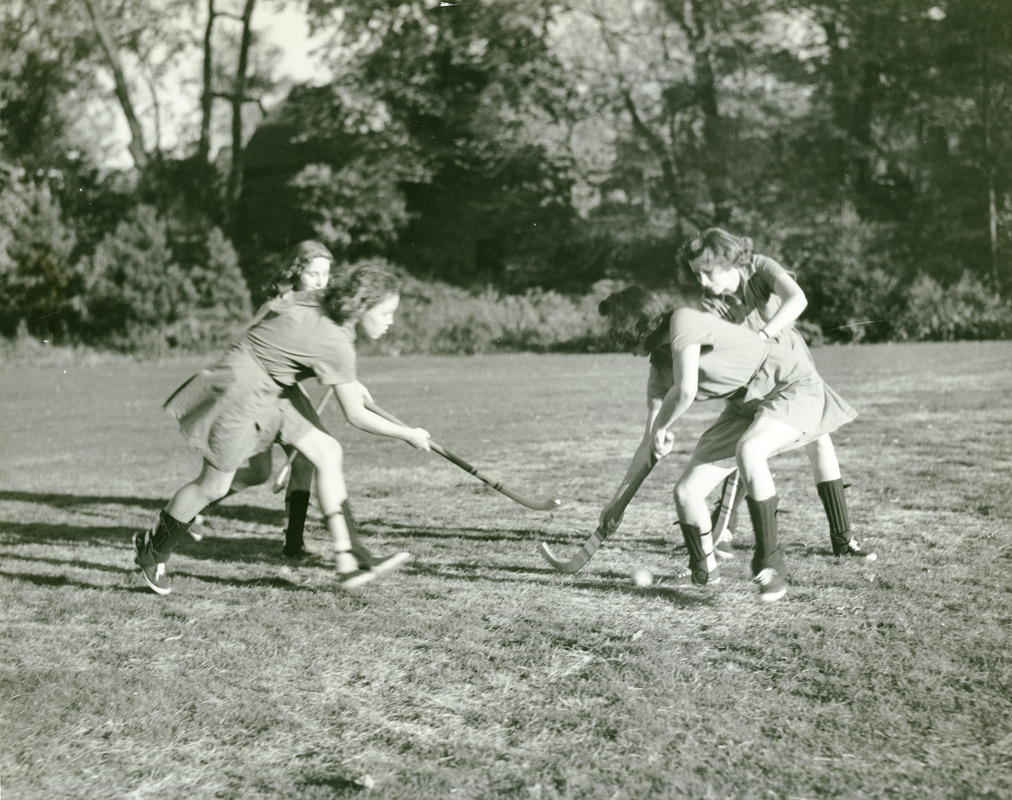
(714, 159)
(990, 168)
(238, 100)
(136, 144)
(207, 95)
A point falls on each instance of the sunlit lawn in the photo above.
(477, 672)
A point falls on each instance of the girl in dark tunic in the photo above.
(773, 401)
(237, 407)
(753, 290)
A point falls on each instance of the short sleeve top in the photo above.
(298, 342)
(729, 355)
(756, 300)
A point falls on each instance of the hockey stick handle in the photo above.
(536, 504)
(282, 479)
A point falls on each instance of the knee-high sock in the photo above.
(835, 502)
(768, 552)
(298, 507)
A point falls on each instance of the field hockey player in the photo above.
(750, 289)
(235, 408)
(307, 268)
(774, 401)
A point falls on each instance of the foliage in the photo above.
(142, 298)
(851, 285)
(443, 319)
(353, 207)
(516, 149)
(38, 282)
(479, 120)
(325, 166)
(966, 310)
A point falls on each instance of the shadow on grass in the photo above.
(470, 534)
(237, 513)
(53, 581)
(314, 786)
(609, 582)
(15, 533)
(71, 500)
(249, 549)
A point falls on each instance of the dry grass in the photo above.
(477, 672)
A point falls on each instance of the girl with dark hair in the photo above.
(746, 288)
(774, 401)
(307, 268)
(236, 408)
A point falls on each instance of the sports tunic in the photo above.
(753, 376)
(756, 301)
(237, 407)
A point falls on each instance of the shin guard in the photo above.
(835, 502)
(702, 561)
(167, 534)
(768, 553)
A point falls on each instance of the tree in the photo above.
(38, 286)
(474, 95)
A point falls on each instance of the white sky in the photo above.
(289, 31)
(286, 29)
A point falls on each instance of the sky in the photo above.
(287, 29)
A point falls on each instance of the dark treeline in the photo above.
(525, 149)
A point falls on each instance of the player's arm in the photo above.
(352, 397)
(680, 397)
(792, 303)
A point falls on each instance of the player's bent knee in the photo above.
(685, 494)
(331, 456)
(751, 453)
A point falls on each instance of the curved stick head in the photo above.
(536, 504)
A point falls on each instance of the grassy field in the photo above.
(477, 672)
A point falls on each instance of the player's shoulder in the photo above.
(769, 267)
(687, 315)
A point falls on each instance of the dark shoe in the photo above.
(771, 586)
(152, 570)
(853, 550)
(296, 553)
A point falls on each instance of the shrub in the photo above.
(141, 299)
(850, 285)
(966, 310)
(39, 288)
(442, 319)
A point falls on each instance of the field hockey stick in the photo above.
(537, 504)
(728, 497)
(282, 480)
(607, 527)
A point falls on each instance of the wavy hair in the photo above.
(299, 257)
(737, 250)
(634, 317)
(355, 290)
